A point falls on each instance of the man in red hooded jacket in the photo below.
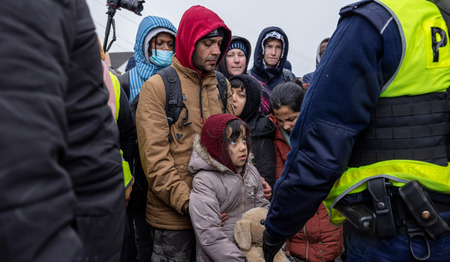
(201, 43)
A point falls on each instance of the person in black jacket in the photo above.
(62, 191)
(271, 51)
(262, 129)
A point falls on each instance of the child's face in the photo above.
(286, 117)
(238, 150)
(239, 99)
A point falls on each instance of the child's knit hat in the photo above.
(213, 140)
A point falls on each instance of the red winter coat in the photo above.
(318, 240)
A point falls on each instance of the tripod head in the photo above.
(135, 6)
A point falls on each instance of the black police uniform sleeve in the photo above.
(344, 90)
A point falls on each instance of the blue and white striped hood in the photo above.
(144, 69)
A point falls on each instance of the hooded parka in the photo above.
(149, 27)
(216, 190)
(270, 76)
(165, 163)
(262, 129)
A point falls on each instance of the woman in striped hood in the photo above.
(153, 50)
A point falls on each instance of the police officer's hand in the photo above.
(271, 246)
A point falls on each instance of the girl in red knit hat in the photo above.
(224, 181)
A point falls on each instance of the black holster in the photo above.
(389, 210)
(423, 210)
(381, 201)
(377, 218)
(359, 215)
(410, 212)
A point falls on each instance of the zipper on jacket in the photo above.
(307, 244)
(201, 104)
(243, 193)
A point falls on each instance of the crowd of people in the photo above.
(159, 163)
(187, 215)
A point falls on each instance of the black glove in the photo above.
(271, 246)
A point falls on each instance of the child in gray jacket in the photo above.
(224, 182)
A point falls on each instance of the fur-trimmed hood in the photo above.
(202, 160)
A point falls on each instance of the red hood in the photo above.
(197, 22)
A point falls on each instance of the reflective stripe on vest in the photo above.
(398, 172)
(116, 85)
(424, 68)
(127, 176)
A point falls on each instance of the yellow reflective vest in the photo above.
(127, 176)
(426, 53)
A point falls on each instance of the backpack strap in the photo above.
(124, 80)
(222, 86)
(134, 104)
(174, 97)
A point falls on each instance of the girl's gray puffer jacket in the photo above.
(216, 190)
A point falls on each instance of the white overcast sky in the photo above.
(306, 22)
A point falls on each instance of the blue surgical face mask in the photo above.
(161, 58)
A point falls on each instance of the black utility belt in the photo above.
(410, 211)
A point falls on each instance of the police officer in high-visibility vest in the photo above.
(123, 116)
(127, 127)
(372, 138)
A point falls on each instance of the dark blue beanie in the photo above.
(239, 45)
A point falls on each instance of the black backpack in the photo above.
(174, 104)
(175, 99)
